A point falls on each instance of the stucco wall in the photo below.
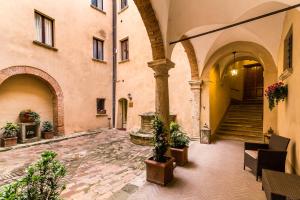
(82, 80)
(289, 110)
(136, 78)
(24, 92)
(219, 97)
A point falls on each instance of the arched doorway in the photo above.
(49, 81)
(122, 114)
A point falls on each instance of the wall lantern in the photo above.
(234, 71)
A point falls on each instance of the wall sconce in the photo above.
(129, 96)
(234, 71)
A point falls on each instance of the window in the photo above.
(44, 29)
(98, 4)
(124, 4)
(124, 50)
(101, 106)
(98, 49)
(288, 50)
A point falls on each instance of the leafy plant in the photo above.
(178, 138)
(43, 180)
(31, 115)
(276, 93)
(160, 141)
(10, 130)
(47, 126)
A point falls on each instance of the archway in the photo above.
(222, 59)
(58, 109)
(122, 114)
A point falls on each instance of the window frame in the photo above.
(97, 5)
(97, 49)
(288, 50)
(121, 47)
(100, 111)
(123, 6)
(43, 17)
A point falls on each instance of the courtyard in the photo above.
(106, 165)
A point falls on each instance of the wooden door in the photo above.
(253, 82)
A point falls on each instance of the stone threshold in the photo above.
(55, 139)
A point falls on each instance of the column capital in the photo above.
(161, 66)
(196, 84)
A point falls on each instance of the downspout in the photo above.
(114, 49)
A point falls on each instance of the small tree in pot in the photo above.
(10, 133)
(179, 144)
(159, 168)
(47, 130)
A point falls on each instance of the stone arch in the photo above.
(260, 53)
(191, 54)
(152, 26)
(58, 109)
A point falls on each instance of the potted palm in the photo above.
(47, 130)
(179, 144)
(29, 116)
(159, 167)
(10, 133)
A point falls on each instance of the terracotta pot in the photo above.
(8, 142)
(26, 118)
(158, 172)
(180, 155)
(48, 135)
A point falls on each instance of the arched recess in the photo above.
(190, 52)
(58, 108)
(247, 50)
(152, 26)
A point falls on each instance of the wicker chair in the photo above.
(266, 156)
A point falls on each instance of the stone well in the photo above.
(145, 135)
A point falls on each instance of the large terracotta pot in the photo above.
(159, 173)
(26, 118)
(180, 155)
(8, 142)
(48, 135)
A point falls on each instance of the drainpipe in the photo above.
(114, 49)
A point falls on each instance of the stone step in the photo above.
(240, 127)
(239, 131)
(240, 138)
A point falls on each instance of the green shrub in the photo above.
(10, 130)
(160, 140)
(178, 138)
(47, 126)
(43, 181)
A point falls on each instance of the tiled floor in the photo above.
(108, 166)
(215, 172)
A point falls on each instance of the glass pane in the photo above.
(100, 50)
(94, 2)
(100, 4)
(48, 32)
(94, 48)
(38, 27)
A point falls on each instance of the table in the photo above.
(280, 186)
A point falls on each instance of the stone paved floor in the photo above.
(99, 166)
(215, 172)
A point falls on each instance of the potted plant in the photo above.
(10, 133)
(159, 168)
(28, 116)
(179, 144)
(47, 130)
(276, 93)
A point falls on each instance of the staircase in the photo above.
(243, 121)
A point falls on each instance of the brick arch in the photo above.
(58, 109)
(152, 26)
(191, 54)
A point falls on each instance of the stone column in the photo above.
(161, 68)
(196, 107)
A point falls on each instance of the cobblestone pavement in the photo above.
(100, 166)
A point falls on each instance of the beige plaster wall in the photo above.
(289, 111)
(136, 78)
(219, 97)
(24, 92)
(82, 80)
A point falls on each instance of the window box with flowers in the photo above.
(276, 93)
